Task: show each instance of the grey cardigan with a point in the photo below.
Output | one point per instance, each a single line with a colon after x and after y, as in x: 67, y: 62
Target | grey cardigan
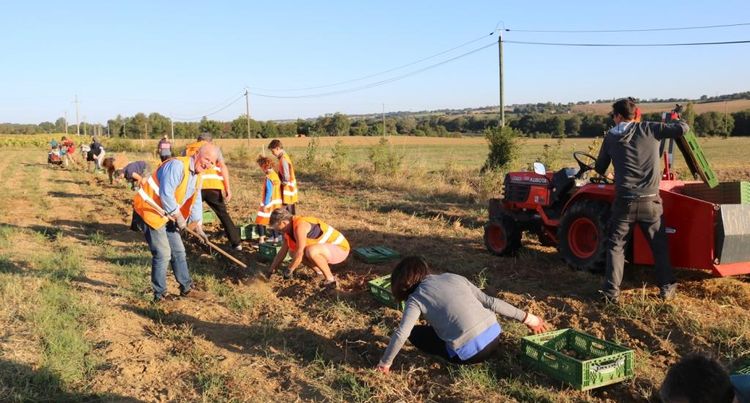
x: 454, y: 307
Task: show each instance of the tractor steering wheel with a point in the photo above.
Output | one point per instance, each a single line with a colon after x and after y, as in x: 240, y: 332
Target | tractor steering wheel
x: 584, y: 167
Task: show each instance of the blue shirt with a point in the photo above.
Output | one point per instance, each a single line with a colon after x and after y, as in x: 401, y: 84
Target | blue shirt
x: 170, y: 176
x: 477, y: 344
x: 269, y: 192
x: 136, y: 167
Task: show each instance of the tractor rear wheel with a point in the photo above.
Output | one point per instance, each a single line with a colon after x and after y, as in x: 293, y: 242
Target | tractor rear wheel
x: 502, y: 237
x: 583, y: 235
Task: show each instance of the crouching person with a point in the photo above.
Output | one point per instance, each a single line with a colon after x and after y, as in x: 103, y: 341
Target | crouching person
x: 461, y: 323
x: 312, y: 242
x: 161, y: 209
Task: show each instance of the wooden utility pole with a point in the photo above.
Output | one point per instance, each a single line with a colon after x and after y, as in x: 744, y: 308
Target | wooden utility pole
x: 500, y: 60
x: 247, y: 115
x: 66, y: 123
x: 78, y: 121
x: 383, y: 119
x: 171, y: 122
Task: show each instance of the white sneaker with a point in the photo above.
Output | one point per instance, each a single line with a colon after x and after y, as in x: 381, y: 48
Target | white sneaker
x: 238, y: 248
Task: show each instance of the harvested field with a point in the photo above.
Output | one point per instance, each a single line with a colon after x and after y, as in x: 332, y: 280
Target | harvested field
x: 732, y: 106
x: 66, y: 253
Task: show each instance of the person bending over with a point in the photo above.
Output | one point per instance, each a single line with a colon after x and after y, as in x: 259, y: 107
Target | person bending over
x: 461, y: 323
x: 697, y: 378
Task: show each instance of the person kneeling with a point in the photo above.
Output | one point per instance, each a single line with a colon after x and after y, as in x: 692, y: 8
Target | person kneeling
x: 462, y: 327
x: 312, y: 242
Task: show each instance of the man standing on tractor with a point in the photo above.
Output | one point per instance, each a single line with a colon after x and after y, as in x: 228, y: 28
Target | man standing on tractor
x: 215, y: 189
x: 633, y: 149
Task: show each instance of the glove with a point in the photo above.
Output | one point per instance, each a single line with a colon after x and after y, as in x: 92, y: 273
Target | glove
x: 179, y: 221
x: 201, y: 234
x: 535, y: 323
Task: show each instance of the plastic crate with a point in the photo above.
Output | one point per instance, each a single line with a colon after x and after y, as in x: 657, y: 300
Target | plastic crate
x: 724, y: 193
x: 375, y: 254
x: 380, y: 288
x: 248, y: 232
x: 267, y: 252
x: 209, y: 217
x: 598, y: 362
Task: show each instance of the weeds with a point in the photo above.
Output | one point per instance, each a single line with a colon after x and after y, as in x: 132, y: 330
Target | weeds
x: 312, y: 153
x: 64, y: 264
x: 385, y: 159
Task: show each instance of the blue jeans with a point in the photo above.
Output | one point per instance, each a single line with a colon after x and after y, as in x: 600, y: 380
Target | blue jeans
x: 166, y: 247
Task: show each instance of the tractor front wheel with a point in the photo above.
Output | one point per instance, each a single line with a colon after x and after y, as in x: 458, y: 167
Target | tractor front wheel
x: 583, y: 235
x: 502, y: 237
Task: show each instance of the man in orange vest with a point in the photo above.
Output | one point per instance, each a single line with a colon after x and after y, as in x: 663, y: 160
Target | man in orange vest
x: 161, y: 209
x: 215, y: 190
x: 286, y: 174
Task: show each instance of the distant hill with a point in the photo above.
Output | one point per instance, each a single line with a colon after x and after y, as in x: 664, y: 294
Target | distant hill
x: 719, y: 106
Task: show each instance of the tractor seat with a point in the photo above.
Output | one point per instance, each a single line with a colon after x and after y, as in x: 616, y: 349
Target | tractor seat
x: 562, y: 182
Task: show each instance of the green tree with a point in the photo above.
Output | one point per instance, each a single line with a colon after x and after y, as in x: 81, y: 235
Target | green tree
x: 159, y: 125
x: 212, y: 127
x: 358, y: 128
x: 573, y: 125
x: 269, y: 130
x: 406, y: 125
x: 557, y: 126
x: 136, y: 126
x: 689, y: 114
x: 339, y: 125
x: 60, y: 125
x: 503, y: 148
x: 714, y: 124
x: 741, y: 123
x: 238, y: 127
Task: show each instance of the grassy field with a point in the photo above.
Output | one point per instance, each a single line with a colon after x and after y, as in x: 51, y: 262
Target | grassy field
x: 76, y: 322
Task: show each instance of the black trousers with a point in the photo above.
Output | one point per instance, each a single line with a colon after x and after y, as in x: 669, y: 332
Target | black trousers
x: 425, y: 339
x: 215, y: 199
x: 648, y: 214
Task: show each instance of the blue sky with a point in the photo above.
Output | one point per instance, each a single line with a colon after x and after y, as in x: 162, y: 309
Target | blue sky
x: 185, y: 59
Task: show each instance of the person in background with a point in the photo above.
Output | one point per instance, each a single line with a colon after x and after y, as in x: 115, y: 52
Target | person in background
x: 461, y: 323
x: 312, y: 242
x: 54, y: 155
x: 633, y: 149
x: 697, y: 378
x: 134, y: 172
x: 96, y: 154
x: 216, y: 190
x: 164, y: 148
x: 289, y: 196
x: 270, y: 198
x: 70, y: 149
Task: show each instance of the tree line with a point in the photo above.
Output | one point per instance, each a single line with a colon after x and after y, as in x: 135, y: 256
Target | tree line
x: 541, y: 125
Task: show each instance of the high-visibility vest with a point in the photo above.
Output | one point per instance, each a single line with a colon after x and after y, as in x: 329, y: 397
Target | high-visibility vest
x: 265, y: 210
x: 150, y: 191
x: 288, y: 188
x: 325, y: 234
x: 212, y: 178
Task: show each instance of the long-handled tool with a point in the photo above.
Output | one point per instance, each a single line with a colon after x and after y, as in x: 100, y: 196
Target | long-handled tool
x: 195, y: 234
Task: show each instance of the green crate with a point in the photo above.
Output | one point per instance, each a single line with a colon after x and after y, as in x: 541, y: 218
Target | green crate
x: 696, y: 159
x: 743, y: 371
x: 249, y: 232
x: 724, y: 193
x: 598, y: 362
x: 381, y: 290
x: 375, y: 254
x: 267, y: 252
x: 209, y: 217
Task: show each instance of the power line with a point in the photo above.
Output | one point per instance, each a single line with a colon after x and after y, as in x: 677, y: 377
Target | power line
x: 577, y: 31
x: 627, y: 44
x: 377, y: 83
x: 213, y: 111
x: 378, y: 73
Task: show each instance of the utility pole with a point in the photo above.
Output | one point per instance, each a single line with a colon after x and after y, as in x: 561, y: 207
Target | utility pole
x: 725, y: 119
x: 247, y: 112
x: 84, y: 126
x: 500, y: 60
x: 66, y: 123
x: 383, y: 119
x: 78, y: 121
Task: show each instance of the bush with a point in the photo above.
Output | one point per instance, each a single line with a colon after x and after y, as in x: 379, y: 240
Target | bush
x: 339, y: 160
x: 503, y: 148
x: 385, y: 159
x: 311, y: 152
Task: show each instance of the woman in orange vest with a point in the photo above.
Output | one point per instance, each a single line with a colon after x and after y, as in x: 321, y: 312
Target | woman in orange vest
x: 312, y: 242
x: 286, y: 174
x: 271, y: 197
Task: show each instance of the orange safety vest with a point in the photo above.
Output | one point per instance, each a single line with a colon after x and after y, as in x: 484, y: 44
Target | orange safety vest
x: 289, y: 188
x: 212, y: 178
x: 265, y: 210
x: 327, y: 234
x: 150, y: 191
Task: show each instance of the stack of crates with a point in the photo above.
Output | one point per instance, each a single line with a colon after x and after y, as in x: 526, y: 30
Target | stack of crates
x: 723, y: 193
x: 209, y: 217
x: 582, y: 360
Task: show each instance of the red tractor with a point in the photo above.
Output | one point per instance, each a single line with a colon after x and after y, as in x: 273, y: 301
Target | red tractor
x: 708, y: 223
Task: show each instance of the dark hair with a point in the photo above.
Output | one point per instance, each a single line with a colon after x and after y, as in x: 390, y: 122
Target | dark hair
x: 624, y: 107
x: 275, y: 143
x: 109, y: 163
x: 278, y: 216
x: 264, y: 162
x: 407, y: 275
x: 697, y: 378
